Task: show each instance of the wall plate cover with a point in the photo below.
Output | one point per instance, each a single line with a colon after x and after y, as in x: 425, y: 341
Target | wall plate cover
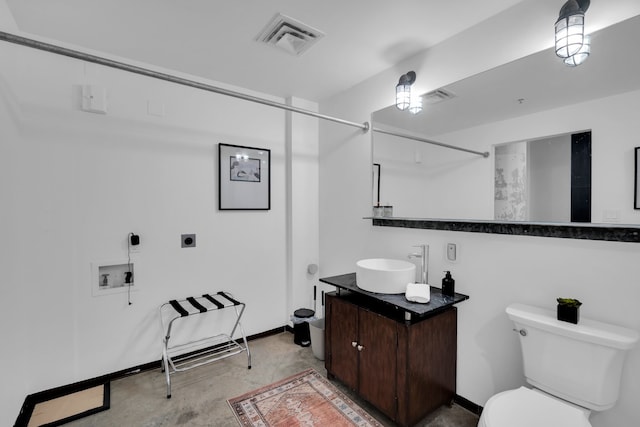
x: 94, y: 99
x: 133, y: 243
x: 452, y: 252
x: 188, y: 240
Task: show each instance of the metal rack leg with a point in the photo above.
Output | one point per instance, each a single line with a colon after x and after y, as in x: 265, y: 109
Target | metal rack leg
x: 165, y: 367
x: 244, y: 336
x: 246, y: 347
x: 166, y: 372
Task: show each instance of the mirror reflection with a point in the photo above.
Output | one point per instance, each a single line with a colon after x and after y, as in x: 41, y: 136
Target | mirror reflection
x: 533, y: 100
x: 544, y: 180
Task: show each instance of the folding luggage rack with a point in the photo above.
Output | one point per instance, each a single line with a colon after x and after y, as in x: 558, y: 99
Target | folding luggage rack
x: 185, y: 356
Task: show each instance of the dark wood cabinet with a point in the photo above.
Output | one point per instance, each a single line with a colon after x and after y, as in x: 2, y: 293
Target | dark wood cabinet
x: 406, y: 369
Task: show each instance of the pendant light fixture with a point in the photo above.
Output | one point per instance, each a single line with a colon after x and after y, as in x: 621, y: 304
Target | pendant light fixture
x: 405, y: 98
x: 415, y: 105
x: 403, y: 90
x: 569, y: 29
x: 580, y: 56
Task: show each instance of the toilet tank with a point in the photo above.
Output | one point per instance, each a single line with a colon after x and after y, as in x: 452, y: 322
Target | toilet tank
x: 579, y: 363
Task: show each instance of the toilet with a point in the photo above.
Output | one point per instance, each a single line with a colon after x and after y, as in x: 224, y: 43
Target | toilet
x: 572, y: 370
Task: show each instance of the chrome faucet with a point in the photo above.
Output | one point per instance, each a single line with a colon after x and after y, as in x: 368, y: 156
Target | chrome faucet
x: 424, y: 261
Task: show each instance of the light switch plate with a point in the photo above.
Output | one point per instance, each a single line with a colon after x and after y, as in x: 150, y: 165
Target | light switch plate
x: 94, y: 99
x: 452, y: 252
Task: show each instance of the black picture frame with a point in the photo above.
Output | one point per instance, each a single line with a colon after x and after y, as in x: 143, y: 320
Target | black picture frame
x: 636, y: 182
x: 244, y: 177
x: 377, y: 175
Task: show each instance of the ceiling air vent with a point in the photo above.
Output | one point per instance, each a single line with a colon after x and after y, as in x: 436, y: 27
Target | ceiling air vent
x: 289, y: 35
x: 437, y: 95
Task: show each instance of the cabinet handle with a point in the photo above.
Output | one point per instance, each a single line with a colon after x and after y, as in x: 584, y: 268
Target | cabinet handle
x: 360, y: 347
x: 354, y: 343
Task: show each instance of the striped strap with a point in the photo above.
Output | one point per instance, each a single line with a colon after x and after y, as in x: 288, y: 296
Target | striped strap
x: 177, y: 307
x: 196, y: 304
x: 229, y: 298
x: 213, y: 300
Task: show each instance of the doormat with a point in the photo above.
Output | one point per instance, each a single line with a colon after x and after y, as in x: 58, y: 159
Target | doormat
x: 63, y: 409
x: 304, y: 399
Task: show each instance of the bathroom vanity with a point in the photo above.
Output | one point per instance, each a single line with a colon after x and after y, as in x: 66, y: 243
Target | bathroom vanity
x: 398, y: 355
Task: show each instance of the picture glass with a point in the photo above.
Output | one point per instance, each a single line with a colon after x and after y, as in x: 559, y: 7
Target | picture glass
x: 244, y: 178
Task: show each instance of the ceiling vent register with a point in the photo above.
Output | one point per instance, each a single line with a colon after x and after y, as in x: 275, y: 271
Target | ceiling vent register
x: 438, y: 95
x: 289, y: 35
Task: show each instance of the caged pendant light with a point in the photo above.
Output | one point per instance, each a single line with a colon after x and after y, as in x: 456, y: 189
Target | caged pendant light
x: 569, y: 31
x: 415, y: 105
x: 580, y: 56
x: 403, y: 90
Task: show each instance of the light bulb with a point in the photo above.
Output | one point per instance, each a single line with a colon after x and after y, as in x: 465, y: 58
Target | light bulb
x: 403, y: 96
x: 415, y: 105
x: 569, y: 35
x: 580, y: 56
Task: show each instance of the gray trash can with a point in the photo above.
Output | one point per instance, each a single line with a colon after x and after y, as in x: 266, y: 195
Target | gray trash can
x: 300, y: 319
x: 316, y: 329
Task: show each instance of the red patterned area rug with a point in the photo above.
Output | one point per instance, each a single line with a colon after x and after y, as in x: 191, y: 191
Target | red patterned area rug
x: 304, y: 399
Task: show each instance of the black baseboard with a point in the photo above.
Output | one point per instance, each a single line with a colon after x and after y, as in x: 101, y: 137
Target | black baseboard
x: 468, y: 405
x: 33, y: 399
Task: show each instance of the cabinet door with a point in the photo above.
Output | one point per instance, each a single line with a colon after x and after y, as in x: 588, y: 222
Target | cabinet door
x: 378, y: 362
x: 431, y: 369
x: 343, y: 356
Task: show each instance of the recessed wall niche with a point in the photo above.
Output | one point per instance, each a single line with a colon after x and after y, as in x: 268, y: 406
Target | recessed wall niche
x: 112, y: 277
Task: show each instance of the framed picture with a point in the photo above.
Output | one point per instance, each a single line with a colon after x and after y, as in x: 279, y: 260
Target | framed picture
x: 636, y: 182
x: 244, y: 178
x: 377, y: 171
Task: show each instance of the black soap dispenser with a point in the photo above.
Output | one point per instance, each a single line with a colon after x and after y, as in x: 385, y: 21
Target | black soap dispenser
x: 448, y: 285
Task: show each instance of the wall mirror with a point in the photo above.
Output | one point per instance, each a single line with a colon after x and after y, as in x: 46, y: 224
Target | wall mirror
x: 535, y: 99
x: 543, y: 180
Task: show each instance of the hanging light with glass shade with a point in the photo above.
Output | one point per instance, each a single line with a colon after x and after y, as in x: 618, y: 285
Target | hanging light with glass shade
x: 580, y: 56
x: 403, y: 90
x: 570, y: 37
x: 415, y: 105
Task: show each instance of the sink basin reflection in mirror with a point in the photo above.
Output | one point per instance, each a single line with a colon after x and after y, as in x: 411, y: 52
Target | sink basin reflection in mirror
x: 384, y: 276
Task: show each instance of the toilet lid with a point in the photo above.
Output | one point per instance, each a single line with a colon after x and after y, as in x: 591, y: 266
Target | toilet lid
x: 524, y: 407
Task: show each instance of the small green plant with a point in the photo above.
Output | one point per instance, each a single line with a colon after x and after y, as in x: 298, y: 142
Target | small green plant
x: 569, y: 302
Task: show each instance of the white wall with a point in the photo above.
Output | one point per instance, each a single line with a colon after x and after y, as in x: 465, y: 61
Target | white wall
x: 302, y: 206
x: 550, y: 179
x: 494, y: 270
x: 74, y: 184
x: 7, y: 22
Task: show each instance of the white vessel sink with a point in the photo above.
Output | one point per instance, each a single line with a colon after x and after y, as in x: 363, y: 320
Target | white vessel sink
x: 384, y: 276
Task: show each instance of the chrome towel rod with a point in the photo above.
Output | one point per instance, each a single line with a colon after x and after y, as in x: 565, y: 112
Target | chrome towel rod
x: 428, y: 141
x: 12, y: 38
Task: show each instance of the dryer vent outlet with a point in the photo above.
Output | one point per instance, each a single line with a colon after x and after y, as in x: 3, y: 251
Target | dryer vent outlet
x: 188, y: 240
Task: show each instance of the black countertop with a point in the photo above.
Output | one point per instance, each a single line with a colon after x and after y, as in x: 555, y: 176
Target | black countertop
x: 437, y: 303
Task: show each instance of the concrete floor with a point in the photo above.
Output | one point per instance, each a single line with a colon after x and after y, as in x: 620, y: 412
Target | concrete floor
x: 199, y: 397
